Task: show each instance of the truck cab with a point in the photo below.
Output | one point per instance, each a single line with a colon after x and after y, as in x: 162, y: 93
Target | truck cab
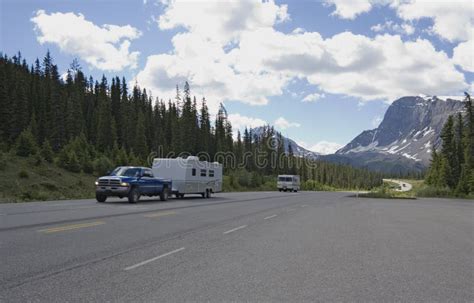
x: 288, y: 183
x: 131, y: 182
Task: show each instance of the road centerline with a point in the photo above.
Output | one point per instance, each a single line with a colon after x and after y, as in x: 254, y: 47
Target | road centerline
x: 153, y: 259
x: 234, y: 229
x: 70, y: 227
x: 269, y: 217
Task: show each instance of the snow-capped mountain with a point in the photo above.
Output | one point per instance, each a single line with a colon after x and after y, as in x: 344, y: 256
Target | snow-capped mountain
x: 405, y: 138
x: 298, y: 150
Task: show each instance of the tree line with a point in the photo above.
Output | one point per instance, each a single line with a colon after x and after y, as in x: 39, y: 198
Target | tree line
x: 452, y: 166
x: 86, y: 125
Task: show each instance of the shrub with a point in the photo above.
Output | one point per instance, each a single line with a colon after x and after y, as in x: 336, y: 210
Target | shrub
x: 73, y: 164
x: 22, y: 174
x: 26, y: 144
x: 47, y: 152
x: 3, y: 161
x: 431, y: 191
x: 49, y: 186
x: 102, y: 165
x: 38, y: 160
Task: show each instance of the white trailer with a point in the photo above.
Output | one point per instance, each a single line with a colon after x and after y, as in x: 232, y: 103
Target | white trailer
x: 190, y: 175
x: 288, y: 183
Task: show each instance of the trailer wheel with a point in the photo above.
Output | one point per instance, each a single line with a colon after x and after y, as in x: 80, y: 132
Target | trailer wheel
x: 134, y: 195
x: 100, y: 198
x: 164, y: 194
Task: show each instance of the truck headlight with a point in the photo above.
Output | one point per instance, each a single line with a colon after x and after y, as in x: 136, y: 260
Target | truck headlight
x: 96, y: 183
x: 124, y: 184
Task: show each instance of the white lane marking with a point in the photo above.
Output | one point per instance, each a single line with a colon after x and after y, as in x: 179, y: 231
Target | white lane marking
x: 269, y: 217
x: 291, y: 209
x: 235, y: 229
x: 304, y: 205
x: 154, y: 259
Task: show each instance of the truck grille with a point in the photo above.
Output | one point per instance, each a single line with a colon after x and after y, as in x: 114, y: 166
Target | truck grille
x: 109, y: 182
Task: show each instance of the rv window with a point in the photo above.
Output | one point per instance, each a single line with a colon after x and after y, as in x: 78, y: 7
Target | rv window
x: 211, y: 173
x: 203, y: 172
x: 194, y: 172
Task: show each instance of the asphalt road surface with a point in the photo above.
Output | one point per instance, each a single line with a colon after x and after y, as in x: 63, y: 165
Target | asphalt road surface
x: 265, y: 246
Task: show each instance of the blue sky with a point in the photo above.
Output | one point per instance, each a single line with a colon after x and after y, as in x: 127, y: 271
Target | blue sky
x: 320, y: 71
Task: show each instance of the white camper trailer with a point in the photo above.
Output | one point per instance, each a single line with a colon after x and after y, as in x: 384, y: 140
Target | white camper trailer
x: 190, y: 175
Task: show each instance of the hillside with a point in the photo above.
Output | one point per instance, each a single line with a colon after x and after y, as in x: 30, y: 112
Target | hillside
x: 24, y: 179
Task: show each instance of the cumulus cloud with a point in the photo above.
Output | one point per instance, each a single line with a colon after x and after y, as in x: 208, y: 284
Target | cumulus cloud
x: 223, y: 21
x: 240, y: 122
x: 463, y: 55
x: 313, y: 97
x: 242, y: 57
x: 322, y: 147
x: 350, y: 9
x: 283, y: 124
x: 103, y: 47
x: 452, y: 20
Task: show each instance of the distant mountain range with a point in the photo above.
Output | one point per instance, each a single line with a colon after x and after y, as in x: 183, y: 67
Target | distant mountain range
x: 404, y: 140
x: 298, y: 150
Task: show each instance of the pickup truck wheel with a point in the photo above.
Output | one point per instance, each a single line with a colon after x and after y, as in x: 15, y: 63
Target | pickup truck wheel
x: 134, y: 195
x: 164, y: 194
x: 100, y: 198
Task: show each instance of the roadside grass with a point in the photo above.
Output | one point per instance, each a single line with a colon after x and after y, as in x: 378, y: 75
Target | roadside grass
x: 419, y: 189
x: 387, y: 191
x: 26, y: 179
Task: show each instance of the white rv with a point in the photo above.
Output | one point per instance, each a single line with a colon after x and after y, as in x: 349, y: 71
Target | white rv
x: 190, y: 175
x: 288, y: 183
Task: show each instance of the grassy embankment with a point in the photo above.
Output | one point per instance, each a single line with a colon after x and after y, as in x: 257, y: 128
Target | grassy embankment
x: 419, y: 189
x: 24, y: 179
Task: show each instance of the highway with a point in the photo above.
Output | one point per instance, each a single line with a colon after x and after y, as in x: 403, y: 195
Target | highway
x: 242, y: 247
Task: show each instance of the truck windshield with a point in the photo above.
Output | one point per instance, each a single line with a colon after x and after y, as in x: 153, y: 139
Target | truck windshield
x: 126, y: 172
x: 285, y: 179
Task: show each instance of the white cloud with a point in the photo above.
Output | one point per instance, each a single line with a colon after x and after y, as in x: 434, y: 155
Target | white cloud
x: 103, y: 47
x: 240, y: 122
x: 249, y: 61
x: 349, y: 9
x: 322, y: 147
x: 313, y: 97
x: 463, y: 55
x: 390, y: 26
x: 223, y: 21
x: 452, y: 20
x: 283, y: 124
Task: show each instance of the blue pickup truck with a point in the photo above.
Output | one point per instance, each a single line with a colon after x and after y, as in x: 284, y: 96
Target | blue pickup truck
x: 131, y: 182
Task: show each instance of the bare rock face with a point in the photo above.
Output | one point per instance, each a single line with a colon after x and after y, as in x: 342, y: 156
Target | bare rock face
x: 405, y: 138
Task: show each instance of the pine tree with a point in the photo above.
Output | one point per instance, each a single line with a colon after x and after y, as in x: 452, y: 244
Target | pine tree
x: 26, y: 144
x: 47, y: 151
x: 448, y: 153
